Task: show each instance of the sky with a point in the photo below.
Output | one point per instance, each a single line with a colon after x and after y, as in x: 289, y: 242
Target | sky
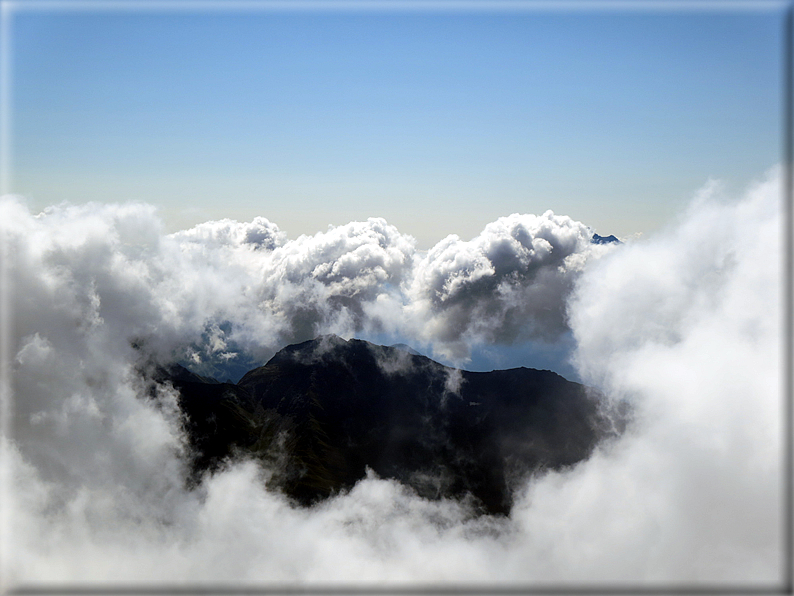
x: 207, y: 186
x: 439, y: 121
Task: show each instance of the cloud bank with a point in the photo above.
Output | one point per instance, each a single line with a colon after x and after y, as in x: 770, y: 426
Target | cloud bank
x: 685, y: 325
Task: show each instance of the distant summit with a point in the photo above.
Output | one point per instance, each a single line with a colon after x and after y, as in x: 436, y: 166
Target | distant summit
x: 323, y: 412
x: 596, y: 239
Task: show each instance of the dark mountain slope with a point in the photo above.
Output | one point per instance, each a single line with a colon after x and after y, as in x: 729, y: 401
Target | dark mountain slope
x: 327, y: 409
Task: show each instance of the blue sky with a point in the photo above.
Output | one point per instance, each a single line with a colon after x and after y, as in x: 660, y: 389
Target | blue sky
x: 438, y: 121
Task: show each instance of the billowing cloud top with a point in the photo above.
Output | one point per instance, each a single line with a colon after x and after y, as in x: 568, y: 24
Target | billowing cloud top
x: 258, y: 234
x: 508, y: 282
x: 226, y: 283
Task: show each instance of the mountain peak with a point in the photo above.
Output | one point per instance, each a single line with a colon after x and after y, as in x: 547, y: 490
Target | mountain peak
x: 332, y: 349
x: 322, y: 412
x: 596, y: 239
x: 406, y: 348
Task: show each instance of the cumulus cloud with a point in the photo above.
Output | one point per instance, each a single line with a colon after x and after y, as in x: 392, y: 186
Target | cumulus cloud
x: 225, y: 288
x: 687, y: 325
x: 213, y: 235
x: 684, y: 325
x: 509, y: 281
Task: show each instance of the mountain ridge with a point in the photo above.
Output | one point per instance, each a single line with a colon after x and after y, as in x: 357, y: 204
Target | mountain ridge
x: 322, y: 412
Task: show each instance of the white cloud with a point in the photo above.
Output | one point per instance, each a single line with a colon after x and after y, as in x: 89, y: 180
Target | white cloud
x: 684, y: 324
